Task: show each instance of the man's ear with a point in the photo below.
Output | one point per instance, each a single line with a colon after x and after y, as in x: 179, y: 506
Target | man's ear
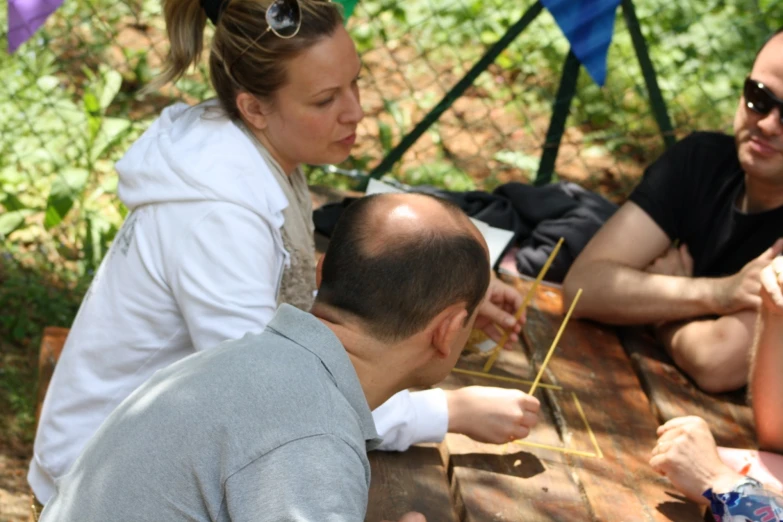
x: 449, y: 324
x: 319, y: 271
x: 253, y: 110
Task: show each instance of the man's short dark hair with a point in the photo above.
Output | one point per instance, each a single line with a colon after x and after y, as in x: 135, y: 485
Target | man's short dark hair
x: 396, y: 290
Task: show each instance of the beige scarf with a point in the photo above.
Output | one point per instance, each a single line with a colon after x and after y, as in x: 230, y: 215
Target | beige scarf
x: 298, y: 284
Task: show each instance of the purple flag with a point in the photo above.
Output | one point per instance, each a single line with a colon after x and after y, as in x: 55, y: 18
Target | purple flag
x: 25, y: 17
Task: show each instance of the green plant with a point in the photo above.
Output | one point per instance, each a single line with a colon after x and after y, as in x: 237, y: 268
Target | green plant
x: 62, y: 150
x: 439, y: 174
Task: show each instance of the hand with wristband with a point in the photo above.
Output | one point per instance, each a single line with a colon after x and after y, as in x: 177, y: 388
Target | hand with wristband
x: 687, y: 455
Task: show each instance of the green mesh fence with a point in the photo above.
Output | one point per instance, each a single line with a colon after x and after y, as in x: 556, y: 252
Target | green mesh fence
x: 70, y: 102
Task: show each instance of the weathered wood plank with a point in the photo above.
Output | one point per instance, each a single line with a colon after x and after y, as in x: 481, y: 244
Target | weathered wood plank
x: 591, y: 362
x: 674, y: 395
x: 414, y: 480
x: 511, y: 482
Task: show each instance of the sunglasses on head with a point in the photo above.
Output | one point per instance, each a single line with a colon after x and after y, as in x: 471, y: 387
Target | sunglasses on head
x: 760, y: 99
x: 284, y: 18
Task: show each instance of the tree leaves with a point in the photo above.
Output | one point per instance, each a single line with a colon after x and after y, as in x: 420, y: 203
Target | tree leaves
x: 66, y: 189
x: 11, y: 221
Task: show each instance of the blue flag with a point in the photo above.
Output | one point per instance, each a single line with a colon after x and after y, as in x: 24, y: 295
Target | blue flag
x: 588, y: 25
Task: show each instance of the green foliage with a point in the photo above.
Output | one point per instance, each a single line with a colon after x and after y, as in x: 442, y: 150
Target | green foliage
x: 17, y: 397
x: 440, y: 174
x: 48, y: 293
x: 57, y: 154
x: 701, y: 51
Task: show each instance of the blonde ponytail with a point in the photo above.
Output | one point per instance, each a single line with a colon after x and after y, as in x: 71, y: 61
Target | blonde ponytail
x: 185, y: 23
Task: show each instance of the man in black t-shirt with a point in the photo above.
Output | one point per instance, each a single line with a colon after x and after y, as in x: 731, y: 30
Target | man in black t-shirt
x: 685, y: 252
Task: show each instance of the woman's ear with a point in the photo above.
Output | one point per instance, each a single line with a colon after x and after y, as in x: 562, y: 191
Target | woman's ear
x: 252, y: 110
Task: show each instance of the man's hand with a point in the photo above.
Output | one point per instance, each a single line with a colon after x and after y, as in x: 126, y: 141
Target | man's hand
x: 493, y: 415
x: 771, y: 293
x: 411, y: 516
x: 741, y: 291
x: 499, y: 306
x: 687, y: 455
x: 675, y: 262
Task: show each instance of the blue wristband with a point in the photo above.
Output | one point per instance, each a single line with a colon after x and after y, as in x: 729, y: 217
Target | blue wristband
x: 747, y: 500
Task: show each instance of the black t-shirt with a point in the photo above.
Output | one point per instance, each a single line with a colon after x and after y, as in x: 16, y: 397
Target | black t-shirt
x: 691, y: 193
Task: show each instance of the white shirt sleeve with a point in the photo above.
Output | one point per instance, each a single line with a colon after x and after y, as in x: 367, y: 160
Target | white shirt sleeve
x: 227, y: 276
x: 410, y: 418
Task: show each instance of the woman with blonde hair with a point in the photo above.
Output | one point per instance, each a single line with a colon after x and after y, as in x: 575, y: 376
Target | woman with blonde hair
x: 220, y: 231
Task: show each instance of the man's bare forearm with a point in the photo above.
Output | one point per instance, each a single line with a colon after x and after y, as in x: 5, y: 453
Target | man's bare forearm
x: 616, y: 294
x: 766, y: 384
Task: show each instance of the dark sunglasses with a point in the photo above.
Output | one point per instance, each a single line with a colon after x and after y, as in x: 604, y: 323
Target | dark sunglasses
x: 760, y: 99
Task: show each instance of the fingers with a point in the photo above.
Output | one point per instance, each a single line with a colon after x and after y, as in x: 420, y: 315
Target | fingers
x: 504, y: 295
x: 770, y: 282
x: 691, y: 431
x: 686, y: 260
x: 496, y: 333
x: 658, y: 463
x: 413, y: 516
x: 510, y: 296
x: 530, y: 407
x: 662, y: 447
x: 775, y: 250
x: 493, y: 415
x: 777, y: 266
x: 673, y: 262
x: 494, y: 313
x: 522, y: 430
x: 529, y: 421
x: 671, y: 435
x: 656, y: 267
x: 754, y: 300
x: 679, y: 422
x: 530, y: 403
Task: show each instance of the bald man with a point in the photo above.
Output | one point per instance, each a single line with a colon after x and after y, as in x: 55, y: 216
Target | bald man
x: 276, y: 426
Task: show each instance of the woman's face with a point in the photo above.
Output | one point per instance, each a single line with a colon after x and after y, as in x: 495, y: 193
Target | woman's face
x: 313, y: 118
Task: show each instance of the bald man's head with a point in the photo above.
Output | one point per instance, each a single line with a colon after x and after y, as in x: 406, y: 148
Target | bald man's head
x: 395, y: 261
x: 393, y: 219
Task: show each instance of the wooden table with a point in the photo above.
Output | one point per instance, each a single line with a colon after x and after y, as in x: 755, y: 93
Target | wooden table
x: 480, y: 482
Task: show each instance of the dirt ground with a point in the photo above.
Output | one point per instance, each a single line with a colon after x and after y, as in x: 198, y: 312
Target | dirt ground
x: 17, y: 376
x: 14, y: 492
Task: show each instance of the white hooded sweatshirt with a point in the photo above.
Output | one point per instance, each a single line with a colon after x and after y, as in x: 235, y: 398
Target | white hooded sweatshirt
x: 198, y: 261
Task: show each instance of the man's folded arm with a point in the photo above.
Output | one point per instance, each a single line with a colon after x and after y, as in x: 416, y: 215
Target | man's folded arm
x: 616, y: 288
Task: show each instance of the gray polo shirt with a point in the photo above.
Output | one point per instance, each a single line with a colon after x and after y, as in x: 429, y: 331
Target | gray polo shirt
x: 273, y: 426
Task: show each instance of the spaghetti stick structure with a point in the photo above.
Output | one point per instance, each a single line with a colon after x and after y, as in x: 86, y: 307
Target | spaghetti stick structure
x: 528, y: 298
x: 554, y: 343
